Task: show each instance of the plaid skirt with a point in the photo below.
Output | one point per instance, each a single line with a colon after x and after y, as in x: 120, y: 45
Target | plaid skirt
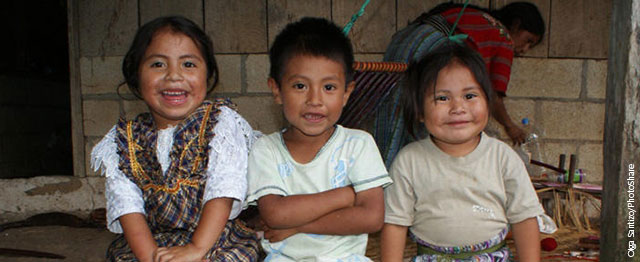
x: 236, y: 243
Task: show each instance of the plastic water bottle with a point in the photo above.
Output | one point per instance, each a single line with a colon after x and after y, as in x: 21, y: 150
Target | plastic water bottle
x: 530, y: 149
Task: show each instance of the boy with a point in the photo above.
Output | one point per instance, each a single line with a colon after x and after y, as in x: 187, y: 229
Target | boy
x: 318, y: 185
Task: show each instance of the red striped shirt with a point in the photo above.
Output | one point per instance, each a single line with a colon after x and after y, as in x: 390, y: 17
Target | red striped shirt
x: 490, y: 38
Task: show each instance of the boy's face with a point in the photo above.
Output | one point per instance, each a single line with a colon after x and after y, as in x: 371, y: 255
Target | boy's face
x: 457, y: 112
x: 312, y: 92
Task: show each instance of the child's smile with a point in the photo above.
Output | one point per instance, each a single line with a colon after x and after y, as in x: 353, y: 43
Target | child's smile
x: 457, y: 112
x: 173, y: 77
x: 312, y: 92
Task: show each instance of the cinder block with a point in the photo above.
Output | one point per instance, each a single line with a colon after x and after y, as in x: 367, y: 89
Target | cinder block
x: 517, y: 109
x: 409, y: 10
x: 551, y: 152
x: 237, y: 26
x: 257, y: 73
x: 107, y: 27
x: 230, y: 80
x: 580, y: 28
x: 261, y: 112
x: 535, y: 77
x: 596, y: 78
x: 372, y: 32
x: 368, y: 57
x: 133, y: 108
x: 99, y: 116
x: 544, y: 6
x: 151, y: 9
x: 283, y: 12
x: 590, y: 160
x: 101, y: 75
x: 572, y: 120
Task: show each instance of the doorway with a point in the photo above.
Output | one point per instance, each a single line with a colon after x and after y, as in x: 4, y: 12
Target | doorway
x: 35, y: 116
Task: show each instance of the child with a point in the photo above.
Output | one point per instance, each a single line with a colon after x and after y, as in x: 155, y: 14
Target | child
x: 318, y: 185
x: 457, y: 190
x: 176, y: 177
x: 497, y: 35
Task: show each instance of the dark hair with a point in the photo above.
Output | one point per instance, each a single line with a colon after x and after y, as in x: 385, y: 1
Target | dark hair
x: 422, y: 76
x: 525, y: 14
x: 310, y: 36
x: 143, y: 38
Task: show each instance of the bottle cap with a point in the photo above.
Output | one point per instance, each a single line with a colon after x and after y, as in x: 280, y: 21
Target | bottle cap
x: 525, y: 121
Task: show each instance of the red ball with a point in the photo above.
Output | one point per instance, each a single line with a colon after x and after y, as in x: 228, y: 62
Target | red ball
x: 548, y: 244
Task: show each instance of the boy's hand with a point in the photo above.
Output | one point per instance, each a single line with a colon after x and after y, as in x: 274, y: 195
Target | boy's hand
x: 186, y: 253
x: 277, y: 235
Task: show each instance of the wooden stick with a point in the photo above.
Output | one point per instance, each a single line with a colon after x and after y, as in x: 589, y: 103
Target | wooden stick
x: 28, y: 253
x: 572, y: 168
x: 542, y: 164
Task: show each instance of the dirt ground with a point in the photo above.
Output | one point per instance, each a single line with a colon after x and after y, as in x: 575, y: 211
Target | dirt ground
x: 89, y: 244
x: 76, y: 244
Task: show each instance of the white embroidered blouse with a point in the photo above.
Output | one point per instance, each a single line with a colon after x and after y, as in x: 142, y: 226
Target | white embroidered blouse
x: 226, y: 169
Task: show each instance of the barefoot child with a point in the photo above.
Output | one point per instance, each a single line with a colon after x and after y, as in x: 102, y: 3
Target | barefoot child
x: 458, y: 190
x: 318, y: 185
x: 176, y: 177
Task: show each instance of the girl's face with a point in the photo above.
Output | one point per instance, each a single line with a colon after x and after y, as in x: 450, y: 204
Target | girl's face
x: 456, y: 111
x: 312, y: 91
x: 523, y: 40
x: 173, y: 77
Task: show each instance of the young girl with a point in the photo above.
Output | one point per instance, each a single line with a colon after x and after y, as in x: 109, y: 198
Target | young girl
x: 497, y: 35
x: 176, y: 177
x: 458, y: 190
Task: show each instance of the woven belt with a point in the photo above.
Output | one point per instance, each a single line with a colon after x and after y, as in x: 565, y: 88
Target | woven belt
x: 424, y: 250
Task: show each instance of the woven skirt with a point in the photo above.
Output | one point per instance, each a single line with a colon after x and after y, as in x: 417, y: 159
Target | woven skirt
x: 236, y: 243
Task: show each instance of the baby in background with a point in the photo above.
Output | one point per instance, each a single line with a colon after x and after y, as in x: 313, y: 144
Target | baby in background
x: 318, y: 185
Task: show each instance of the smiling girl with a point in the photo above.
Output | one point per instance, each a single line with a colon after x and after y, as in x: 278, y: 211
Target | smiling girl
x: 176, y: 176
x: 457, y: 191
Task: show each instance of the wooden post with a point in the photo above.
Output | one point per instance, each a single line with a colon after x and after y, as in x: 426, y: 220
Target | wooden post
x: 619, y: 234
x: 77, y: 129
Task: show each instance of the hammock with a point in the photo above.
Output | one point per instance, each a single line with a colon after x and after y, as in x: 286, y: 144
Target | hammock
x: 374, y: 82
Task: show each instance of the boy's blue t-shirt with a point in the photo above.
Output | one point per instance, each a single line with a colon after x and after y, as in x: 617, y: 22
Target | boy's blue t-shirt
x: 350, y: 157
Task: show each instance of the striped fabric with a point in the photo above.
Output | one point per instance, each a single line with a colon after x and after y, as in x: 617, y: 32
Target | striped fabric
x: 379, y: 66
x: 500, y: 255
x: 407, y: 45
x: 490, y: 38
x: 371, y: 88
x: 173, y: 200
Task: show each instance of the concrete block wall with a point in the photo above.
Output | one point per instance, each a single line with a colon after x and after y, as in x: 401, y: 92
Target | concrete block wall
x: 559, y: 84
